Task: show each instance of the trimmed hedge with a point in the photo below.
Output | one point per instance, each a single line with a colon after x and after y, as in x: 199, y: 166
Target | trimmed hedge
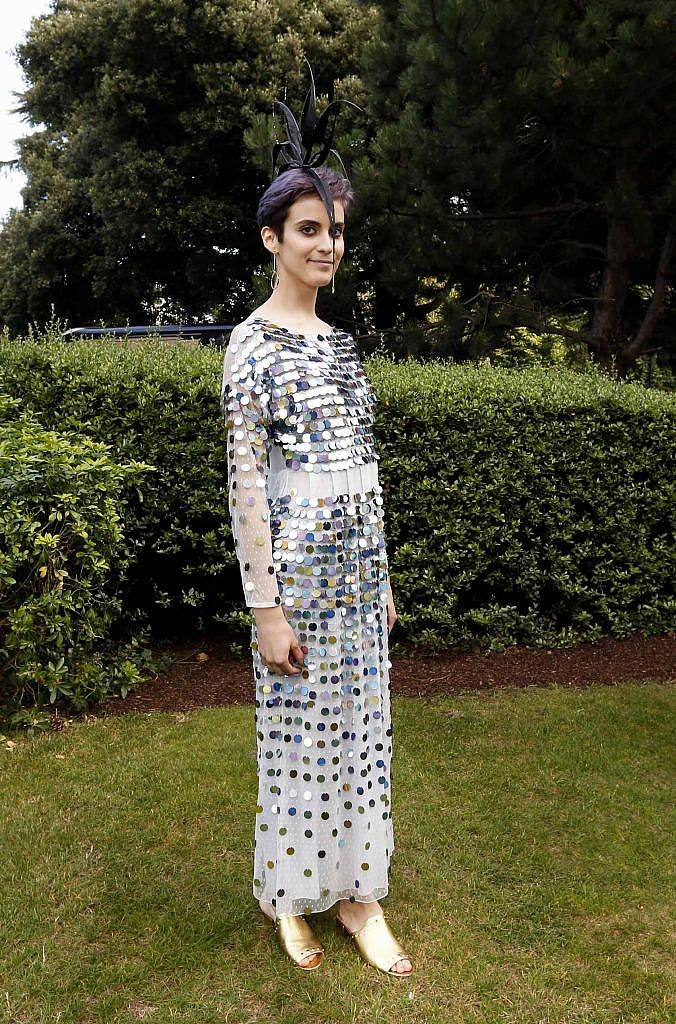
x: 527, y: 506
x: 522, y: 505
x: 157, y: 403
x: 60, y: 529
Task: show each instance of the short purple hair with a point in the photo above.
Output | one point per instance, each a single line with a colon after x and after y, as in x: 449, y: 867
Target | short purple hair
x: 290, y: 185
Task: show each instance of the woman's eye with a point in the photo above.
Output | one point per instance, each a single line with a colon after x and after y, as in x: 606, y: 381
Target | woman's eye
x: 309, y: 227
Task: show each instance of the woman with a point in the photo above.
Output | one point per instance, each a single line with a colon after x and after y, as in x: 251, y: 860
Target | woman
x: 306, y: 511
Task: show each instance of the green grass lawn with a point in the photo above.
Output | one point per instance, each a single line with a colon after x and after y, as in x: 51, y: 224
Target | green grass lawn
x: 531, y: 878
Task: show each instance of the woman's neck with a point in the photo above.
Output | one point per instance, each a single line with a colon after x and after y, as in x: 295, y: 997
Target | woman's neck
x: 293, y: 302
x: 291, y: 317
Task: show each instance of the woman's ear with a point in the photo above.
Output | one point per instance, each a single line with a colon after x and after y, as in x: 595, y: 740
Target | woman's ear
x: 269, y: 239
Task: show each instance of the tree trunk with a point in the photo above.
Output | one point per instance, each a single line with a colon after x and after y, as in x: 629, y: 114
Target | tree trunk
x: 640, y: 344
x: 614, y: 349
x: 386, y: 304
x: 608, y: 330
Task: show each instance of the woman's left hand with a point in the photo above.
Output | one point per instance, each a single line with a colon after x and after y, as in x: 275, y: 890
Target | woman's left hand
x: 391, y: 610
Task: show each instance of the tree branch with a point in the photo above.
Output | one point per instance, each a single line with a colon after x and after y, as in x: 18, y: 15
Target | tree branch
x: 647, y: 328
x: 546, y: 211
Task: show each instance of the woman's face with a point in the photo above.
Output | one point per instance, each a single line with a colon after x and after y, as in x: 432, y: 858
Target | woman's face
x: 307, y: 252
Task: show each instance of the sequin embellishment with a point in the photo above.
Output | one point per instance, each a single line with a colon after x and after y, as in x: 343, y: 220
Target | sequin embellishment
x: 306, y: 510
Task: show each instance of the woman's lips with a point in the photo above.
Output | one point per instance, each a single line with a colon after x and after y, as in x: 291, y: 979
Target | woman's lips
x: 323, y: 263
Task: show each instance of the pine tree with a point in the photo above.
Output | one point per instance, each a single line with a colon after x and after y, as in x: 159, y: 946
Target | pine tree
x: 523, y: 167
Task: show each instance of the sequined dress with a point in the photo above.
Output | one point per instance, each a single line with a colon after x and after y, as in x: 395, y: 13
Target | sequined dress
x: 307, y: 519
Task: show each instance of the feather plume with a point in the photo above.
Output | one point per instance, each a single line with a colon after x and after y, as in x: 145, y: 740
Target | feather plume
x: 296, y: 149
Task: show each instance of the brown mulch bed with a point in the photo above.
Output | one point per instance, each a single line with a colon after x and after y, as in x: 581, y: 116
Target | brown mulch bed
x: 204, y: 673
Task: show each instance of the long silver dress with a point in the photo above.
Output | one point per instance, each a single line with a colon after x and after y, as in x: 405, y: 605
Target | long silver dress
x: 306, y: 511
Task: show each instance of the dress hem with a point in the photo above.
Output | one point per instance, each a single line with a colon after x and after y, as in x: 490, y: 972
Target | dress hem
x: 377, y: 894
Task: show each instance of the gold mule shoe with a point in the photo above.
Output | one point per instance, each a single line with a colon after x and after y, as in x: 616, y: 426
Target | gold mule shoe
x: 378, y: 946
x: 297, y: 939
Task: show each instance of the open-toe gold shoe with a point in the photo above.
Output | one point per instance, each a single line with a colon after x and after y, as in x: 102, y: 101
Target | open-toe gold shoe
x: 297, y: 939
x: 378, y: 946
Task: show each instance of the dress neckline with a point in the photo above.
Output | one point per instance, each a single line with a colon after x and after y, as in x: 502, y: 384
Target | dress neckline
x: 314, y: 335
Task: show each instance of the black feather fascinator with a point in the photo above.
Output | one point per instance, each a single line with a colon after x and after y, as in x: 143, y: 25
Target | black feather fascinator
x: 296, y: 149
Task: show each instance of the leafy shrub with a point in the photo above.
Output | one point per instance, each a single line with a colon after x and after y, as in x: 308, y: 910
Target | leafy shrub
x: 531, y: 506
x: 60, y: 529
x: 522, y: 505
x: 157, y: 403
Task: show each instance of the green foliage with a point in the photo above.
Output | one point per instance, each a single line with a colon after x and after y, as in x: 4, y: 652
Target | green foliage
x: 157, y: 403
x: 60, y: 530
x: 522, y: 505
x: 526, y: 506
x: 519, y: 154
x: 523, y: 162
x: 141, y: 195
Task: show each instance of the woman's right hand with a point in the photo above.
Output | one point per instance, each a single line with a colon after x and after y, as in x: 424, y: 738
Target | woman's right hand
x: 277, y: 642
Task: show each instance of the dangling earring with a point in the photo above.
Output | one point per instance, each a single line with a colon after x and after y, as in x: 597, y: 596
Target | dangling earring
x: 333, y: 268
x: 274, y: 277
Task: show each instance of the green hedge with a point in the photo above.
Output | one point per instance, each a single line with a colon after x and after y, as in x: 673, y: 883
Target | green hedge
x: 531, y: 506
x: 522, y: 505
x: 157, y: 403
x: 60, y: 529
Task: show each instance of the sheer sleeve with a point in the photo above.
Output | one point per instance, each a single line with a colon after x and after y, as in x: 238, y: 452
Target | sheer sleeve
x: 244, y: 403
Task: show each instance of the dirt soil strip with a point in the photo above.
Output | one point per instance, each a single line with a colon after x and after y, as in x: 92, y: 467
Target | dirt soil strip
x: 204, y: 673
